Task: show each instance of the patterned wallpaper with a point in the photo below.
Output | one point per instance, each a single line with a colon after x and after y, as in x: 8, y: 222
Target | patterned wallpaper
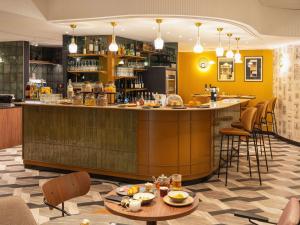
x: 286, y: 86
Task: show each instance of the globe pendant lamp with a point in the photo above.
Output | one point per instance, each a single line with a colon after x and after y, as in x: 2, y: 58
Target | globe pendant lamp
x: 198, y: 48
x: 113, y: 47
x: 73, y: 45
x: 229, y: 53
x: 237, y: 55
x: 220, y: 49
x: 159, y: 42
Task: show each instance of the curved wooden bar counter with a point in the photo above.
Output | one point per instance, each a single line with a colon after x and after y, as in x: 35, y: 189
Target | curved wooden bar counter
x: 126, y: 142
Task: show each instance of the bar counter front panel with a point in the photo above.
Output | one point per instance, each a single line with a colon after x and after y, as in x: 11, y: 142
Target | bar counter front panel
x: 125, y: 142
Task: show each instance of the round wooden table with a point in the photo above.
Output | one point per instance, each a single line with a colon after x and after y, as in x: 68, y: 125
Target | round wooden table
x: 157, y: 210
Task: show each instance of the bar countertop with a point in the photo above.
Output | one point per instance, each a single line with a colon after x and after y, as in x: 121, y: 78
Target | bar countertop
x: 222, y: 104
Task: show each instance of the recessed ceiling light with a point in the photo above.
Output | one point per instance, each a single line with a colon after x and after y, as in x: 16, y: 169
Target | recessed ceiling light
x: 67, y: 32
x: 180, y: 36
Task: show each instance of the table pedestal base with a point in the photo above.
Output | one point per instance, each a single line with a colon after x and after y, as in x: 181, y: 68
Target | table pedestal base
x: 151, y: 223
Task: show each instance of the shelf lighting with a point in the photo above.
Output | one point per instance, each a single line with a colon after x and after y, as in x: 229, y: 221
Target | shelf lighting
x: 73, y: 46
x: 113, y: 47
x: 229, y: 53
x: 158, y: 42
x: 198, y: 48
x: 220, y: 49
x: 237, y: 55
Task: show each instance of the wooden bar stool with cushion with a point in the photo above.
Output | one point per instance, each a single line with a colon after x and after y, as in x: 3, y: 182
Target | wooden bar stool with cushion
x: 14, y: 211
x: 64, y: 188
x: 271, y: 111
x: 247, y: 121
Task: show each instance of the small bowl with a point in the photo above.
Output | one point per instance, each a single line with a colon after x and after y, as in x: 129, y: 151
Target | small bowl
x: 145, y: 197
x: 178, y: 196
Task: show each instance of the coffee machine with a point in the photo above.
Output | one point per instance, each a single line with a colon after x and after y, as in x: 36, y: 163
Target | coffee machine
x: 213, y: 92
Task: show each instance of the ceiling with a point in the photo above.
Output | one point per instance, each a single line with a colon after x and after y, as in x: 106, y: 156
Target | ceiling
x: 27, y: 20
x: 282, y: 4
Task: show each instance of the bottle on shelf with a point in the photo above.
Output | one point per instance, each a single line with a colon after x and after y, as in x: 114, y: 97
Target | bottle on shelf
x: 91, y: 46
x: 96, y: 47
x: 84, y: 46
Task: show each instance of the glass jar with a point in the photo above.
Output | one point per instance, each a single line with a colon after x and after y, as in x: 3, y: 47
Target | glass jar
x: 174, y: 101
x: 77, y: 99
x: 90, y: 100
x: 98, y: 88
x: 102, y: 100
x: 87, y: 87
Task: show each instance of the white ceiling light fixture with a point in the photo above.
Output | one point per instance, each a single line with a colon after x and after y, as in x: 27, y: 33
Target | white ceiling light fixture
x: 158, y: 42
x: 229, y: 53
x: 220, y: 49
x: 113, y: 47
x: 237, y: 55
x: 73, y: 46
x: 1, y: 59
x: 198, y: 48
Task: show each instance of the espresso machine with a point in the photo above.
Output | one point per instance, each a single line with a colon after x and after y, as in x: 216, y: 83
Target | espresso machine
x: 213, y: 92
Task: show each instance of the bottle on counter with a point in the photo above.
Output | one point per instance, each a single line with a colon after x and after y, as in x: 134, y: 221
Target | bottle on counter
x: 27, y: 91
x: 70, y: 90
x: 96, y: 47
x: 91, y: 46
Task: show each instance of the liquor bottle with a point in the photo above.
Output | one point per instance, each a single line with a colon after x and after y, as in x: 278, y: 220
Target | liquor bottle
x: 91, y: 46
x: 84, y: 46
x: 132, y: 84
x: 70, y: 90
x: 96, y: 47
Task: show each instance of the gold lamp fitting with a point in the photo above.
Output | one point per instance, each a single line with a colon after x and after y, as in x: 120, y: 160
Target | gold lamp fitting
x: 158, y: 21
x: 237, y: 38
x: 113, y: 24
x: 198, y: 24
x: 73, y: 26
x: 220, y: 29
x: 229, y: 35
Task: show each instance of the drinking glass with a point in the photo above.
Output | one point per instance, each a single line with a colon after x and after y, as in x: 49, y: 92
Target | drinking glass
x: 176, y: 181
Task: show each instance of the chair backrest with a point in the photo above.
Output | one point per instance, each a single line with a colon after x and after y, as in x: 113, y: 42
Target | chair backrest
x: 261, y: 111
x: 291, y: 213
x: 66, y: 187
x: 248, y: 118
x: 272, y: 104
x: 14, y: 211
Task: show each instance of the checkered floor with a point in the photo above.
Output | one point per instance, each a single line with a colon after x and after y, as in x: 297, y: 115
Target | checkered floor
x: 217, y: 201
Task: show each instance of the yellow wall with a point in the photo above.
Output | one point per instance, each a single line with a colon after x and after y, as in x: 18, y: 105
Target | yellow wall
x: 191, y: 80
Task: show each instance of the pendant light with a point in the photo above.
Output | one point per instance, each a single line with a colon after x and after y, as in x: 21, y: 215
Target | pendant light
x: 158, y: 42
x: 220, y: 49
x: 1, y: 59
x: 229, y: 53
x: 73, y: 45
x: 198, y: 48
x: 113, y: 47
x: 237, y: 55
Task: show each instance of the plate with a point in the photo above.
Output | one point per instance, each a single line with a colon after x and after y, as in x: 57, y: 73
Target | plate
x: 146, y: 197
x: 186, y: 202
x: 123, y: 190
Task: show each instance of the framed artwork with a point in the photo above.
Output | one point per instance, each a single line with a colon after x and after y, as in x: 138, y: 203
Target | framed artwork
x: 225, y: 69
x: 254, y: 69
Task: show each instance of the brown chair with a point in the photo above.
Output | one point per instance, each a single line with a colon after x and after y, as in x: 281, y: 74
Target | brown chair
x: 271, y: 111
x: 247, y: 120
x: 14, y: 211
x: 290, y: 215
x: 64, y: 188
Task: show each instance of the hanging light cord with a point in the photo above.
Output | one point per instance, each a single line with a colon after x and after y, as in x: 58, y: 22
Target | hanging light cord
x: 229, y: 45
x: 219, y: 38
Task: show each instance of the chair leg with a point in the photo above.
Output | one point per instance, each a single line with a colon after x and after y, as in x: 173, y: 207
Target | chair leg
x: 264, y: 148
x: 248, y: 156
x: 268, y: 133
x: 257, y: 156
x: 231, y: 149
x: 63, y: 209
x: 227, y: 160
x: 238, y: 154
x: 275, y: 122
x: 260, y: 145
x: 220, y: 158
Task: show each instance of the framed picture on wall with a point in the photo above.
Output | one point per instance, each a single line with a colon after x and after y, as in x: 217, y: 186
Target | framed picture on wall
x: 225, y: 69
x: 254, y: 69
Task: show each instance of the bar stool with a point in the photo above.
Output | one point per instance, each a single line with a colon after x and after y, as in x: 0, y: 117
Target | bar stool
x: 247, y: 120
x: 264, y: 123
x: 271, y: 111
x: 261, y: 114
